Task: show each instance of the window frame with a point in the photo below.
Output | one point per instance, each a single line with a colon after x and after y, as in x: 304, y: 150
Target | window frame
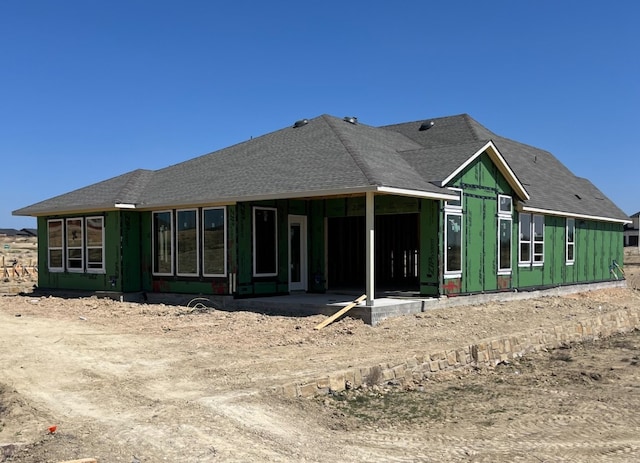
x: 275, y: 232
x: 501, y: 211
x: 203, y: 242
x: 153, y: 243
x: 456, y: 273
x: 505, y: 216
x: 570, y: 244
x: 536, y: 242
x: 69, y: 248
x: 196, y: 245
x: 89, y: 247
x: 56, y: 248
x: 455, y: 207
x: 537, y: 256
x: 521, y: 241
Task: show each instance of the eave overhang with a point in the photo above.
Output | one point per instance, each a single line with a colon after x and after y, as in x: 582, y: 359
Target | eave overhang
x: 227, y: 201
x: 316, y: 194
x: 537, y: 210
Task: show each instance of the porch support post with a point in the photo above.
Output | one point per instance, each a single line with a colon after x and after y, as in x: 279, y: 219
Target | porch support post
x: 370, y: 243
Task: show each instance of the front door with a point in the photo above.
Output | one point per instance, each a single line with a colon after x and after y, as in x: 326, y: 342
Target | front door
x: 297, y: 253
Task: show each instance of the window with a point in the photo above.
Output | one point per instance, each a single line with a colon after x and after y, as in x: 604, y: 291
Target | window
x: 200, y: 242
x: 187, y: 242
x: 453, y: 236
x: 453, y: 244
x: 55, y: 240
x: 571, y: 241
x: 505, y: 226
x: 456, y: 203
x: 538, y: 239
x: 75, y: 250
x: 214, y: 242
x: 531, y: 239
x: 76, y: 245
x: 95, y: 244
x: 265, y: 242
x: 162, y: 243
x: 505, y: 205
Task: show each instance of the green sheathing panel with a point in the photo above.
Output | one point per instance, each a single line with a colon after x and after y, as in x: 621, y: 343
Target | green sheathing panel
x: 554, y: 253
x: 384, y: 204
x: 481, y: 183
x: 243, y: 248
x: 248, y: 285
x: 429, y: 245
x: 43, y: 272
x: 130, y: 250
x: 110, y: 280
x: 316, y: 235
x: 146, y: 259
x: 282, y: 279
x: 597, y: 246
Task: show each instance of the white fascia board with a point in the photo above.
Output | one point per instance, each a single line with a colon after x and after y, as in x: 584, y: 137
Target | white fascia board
x: 535, y: 210
x: 68, y: 211
x: 416, y: 193
x: 503, y: 167
x: 307, y: 194
x: 124, y: 206
x: 229, y: 201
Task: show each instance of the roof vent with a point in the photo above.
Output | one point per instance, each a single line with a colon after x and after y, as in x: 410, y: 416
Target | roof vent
x: 300, y: 123
x: 351, y: 119
x: 426, y: 125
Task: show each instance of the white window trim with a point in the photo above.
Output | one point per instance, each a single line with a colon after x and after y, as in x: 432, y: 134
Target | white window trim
x: 521, y: 262
x: 535, y: 263
x: 224, y: 214
x: 453, y: 207
x: 256, y: 208
x: 68, y: 248
x: 458, y: 212
x: 568, y: 243
x: 177, y: 243
x: 505, y: 215
x: 531, y: 262
x: 153, y: 244
x: 55, y: 248
x: 87, y: 247
x: 510, y: 211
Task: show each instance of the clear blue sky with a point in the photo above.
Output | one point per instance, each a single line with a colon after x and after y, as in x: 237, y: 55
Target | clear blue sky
x: 92, y: 89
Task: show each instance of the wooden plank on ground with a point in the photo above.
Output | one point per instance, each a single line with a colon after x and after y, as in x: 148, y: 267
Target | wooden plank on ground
x: 340, y: 312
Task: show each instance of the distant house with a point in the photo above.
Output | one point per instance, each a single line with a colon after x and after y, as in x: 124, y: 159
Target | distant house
x: 632, y: 230
x: 24, y: 232
x: 436, y: 207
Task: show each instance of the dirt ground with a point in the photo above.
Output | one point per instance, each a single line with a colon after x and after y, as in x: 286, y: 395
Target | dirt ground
x: 126, y: 382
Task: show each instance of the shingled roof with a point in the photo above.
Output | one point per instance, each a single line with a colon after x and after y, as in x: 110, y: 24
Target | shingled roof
x: 332, y: 156
x: 552, y: 187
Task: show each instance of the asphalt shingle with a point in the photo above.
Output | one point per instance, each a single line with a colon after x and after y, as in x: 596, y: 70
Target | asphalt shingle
x: 332, y: 155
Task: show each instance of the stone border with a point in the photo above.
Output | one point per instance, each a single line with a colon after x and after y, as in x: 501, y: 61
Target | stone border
x: 487, y: 352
